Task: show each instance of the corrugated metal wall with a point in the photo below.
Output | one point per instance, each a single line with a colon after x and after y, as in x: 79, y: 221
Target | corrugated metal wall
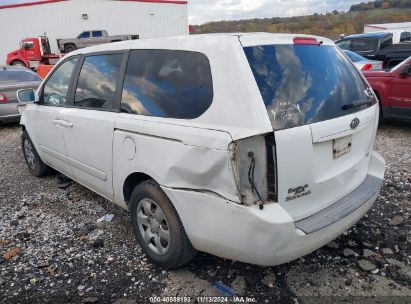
x: 64, y: 20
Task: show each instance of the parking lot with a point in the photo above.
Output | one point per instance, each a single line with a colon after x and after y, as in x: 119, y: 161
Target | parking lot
x: 53, y: 250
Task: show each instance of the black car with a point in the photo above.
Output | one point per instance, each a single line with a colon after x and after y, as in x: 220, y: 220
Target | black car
x: 13, y: 79
x: 377, y: 46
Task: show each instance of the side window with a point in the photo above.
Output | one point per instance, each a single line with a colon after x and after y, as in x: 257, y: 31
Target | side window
x: 96, y: 85
x: 84, y: 35
x: 167, y: 83
x: 97, y: 34
x: 406, y: 36
x: 28, y: 45
x: 57, y: 86
x: 344, y: 44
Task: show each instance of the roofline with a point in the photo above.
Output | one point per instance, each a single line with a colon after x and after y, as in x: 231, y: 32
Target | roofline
x: 55, y: 1
x: 29, y: 3
x: 377, y: 27
x: 370, y: 35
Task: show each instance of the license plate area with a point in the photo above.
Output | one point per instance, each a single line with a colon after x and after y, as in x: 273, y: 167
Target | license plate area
x: 342, y: 146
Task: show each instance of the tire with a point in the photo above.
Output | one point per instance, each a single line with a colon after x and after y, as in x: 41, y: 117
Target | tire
x: 70, y: 47
x: 381, y: 116
x: 33, y: 161
x: 150, y: 224
x: 18, y: 63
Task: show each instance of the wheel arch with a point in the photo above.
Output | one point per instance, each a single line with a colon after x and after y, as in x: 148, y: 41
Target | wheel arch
x: 26, y: 64
x: 131, y: 182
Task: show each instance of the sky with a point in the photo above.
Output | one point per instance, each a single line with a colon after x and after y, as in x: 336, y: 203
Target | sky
x: 201, y: 11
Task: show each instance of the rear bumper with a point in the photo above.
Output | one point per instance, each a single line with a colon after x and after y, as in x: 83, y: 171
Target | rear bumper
x: 342, y: 208
x: 270, y: 236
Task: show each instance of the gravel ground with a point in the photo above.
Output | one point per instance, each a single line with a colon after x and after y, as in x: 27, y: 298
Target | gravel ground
x: 52, y: 250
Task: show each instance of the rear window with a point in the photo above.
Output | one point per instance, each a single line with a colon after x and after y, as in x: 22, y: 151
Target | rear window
x: 167, y: 83
x: 363, y: 45
x: 17, y: 76
x: 305, y: 84
x: 354, y: 57
x: 97, y: 33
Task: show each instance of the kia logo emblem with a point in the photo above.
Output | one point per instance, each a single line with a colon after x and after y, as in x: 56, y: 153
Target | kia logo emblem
x: 354, y: 123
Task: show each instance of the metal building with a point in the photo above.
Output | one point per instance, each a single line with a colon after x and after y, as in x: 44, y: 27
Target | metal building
x: 395, y: 28
x: 68, y: 18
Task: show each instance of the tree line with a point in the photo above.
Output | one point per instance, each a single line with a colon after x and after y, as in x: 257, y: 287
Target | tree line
x: 332, y: 24
x: 383, y: 4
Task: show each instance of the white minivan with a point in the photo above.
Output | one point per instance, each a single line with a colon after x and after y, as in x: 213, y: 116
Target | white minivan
x: 252, y: 147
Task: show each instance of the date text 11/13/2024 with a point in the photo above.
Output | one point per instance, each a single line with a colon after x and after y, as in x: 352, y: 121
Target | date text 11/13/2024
x: 204, y: 299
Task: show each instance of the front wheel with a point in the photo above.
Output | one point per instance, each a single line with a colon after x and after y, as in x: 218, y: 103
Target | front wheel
x: 158, y: 228
x: 33, y: 161
x: 18, y: 63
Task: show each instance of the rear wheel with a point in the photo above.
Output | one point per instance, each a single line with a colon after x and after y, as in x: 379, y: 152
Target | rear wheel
x: 158, y: 228
x: 69, y: 48
x: 33, y: 161
x: 18, y: 63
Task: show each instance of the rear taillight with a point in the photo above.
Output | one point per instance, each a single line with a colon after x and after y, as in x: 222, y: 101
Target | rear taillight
x: 367, y: 67
x: 3, y: 98
x: 271, y: 167
x: 305, y: 41
x: 253, y: 165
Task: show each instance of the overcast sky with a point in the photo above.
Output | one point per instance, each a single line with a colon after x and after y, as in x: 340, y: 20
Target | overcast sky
x: 201, y: 11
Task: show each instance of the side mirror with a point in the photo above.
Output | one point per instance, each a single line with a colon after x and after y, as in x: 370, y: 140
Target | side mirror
x: 26, y: 96
x: 405, y: 71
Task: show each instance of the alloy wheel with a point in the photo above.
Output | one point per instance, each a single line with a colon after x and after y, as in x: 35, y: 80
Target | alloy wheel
x: 153, y: 226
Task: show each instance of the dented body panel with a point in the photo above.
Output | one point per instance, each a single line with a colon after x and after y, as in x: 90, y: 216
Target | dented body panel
x: 175, y: 156
x: 265, y: 237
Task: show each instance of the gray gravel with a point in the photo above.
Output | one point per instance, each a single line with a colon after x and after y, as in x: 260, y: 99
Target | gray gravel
x: 52, y: 250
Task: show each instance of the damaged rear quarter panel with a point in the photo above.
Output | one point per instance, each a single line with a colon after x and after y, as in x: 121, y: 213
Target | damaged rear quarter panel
x: 175, y: 156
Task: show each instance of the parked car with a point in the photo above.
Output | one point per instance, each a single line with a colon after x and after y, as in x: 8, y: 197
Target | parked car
x: 377, y: 46
x: 254, y: 147
x: 13, y: 79
x: 393, y: 89
x: 89, y: 38
x: 363, y: 64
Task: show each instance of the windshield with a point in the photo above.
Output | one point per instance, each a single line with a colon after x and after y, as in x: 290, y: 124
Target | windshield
x: 305, y: 84
x: 354, y: 57
x: 8, y: 76
x: 401, y: 64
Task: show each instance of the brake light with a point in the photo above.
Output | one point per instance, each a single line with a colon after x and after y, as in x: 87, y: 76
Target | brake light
x: 305, y: 41
x: 367, y: 67
x: 3, y: 98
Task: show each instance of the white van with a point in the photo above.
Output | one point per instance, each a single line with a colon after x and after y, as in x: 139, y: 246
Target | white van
x: 251, y: 147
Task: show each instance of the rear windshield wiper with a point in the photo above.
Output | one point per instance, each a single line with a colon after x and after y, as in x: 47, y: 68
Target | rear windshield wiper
x: 355, y: 104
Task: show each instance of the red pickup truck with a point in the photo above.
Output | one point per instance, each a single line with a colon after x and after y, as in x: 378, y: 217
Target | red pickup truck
x: 393, y: 89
